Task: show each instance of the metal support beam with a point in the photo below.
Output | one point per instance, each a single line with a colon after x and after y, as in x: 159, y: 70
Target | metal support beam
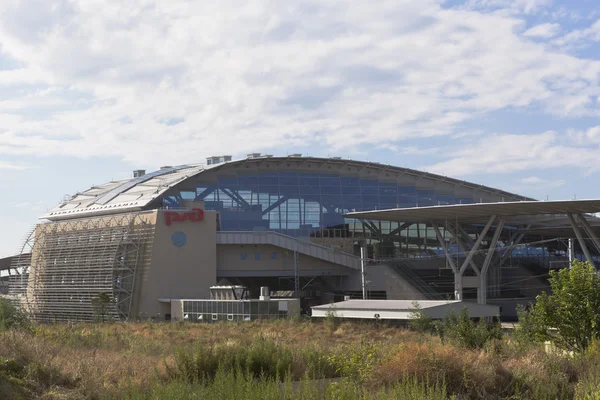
x: 580, y: 238
x: 236, y: 197
x: 477, y: 244
x: 296, y: 275
x: 516, y: 240
x: 363, y: 257
x: 399, y: 229
x: 570, y: 253
x: 440, y: 238
x: 373, y: 227
x: 205, y: 193
x: 492, y: 248
x: 482, y: 292
x: 273, y: 206
x: 465, y: 234
x: 588, y: 228
x: 465, y: 250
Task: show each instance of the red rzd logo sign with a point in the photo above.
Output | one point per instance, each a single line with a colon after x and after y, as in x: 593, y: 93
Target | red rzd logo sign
x: 196, y: 215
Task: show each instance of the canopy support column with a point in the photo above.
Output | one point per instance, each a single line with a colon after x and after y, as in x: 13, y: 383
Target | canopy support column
x: 457, y: 274
x: 580, y: 239
x: 440, y: 238
x: 464, y: 248
x: 588, y: 228
x: 477, y: 244
x: 482, y: 291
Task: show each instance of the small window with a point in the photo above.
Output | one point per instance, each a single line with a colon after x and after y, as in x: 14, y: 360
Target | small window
x: 208, y: 162
x: 243, y: 256
x: 215, y: 317
x: 229, y: 317
x: 274, y: 255
x: 257, y: 256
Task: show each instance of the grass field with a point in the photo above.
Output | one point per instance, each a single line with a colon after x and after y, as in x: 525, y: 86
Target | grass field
x: 279, y: 360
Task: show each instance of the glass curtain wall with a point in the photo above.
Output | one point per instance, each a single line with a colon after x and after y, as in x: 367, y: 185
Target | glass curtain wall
x: 312, y: 205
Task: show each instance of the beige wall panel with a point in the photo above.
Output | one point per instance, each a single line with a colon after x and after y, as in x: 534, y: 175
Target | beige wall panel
x: 178, y: 272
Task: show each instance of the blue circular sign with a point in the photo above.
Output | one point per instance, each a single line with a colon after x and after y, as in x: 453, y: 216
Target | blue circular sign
x: 179, y: 239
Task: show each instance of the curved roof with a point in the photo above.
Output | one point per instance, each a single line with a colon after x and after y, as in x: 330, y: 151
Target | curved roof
x: 143, y: 192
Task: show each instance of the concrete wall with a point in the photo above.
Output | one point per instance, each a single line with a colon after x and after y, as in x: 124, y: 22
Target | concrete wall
x: 344, y: 244
x: 229, y: 260
x: 178, y: 272
x: 381, y: 278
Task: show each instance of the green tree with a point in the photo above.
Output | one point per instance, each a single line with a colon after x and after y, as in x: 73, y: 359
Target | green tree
x: 101, y: 304
x: 573, y: 308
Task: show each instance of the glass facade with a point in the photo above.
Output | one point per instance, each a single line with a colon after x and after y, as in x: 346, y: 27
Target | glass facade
x: 302, y: 204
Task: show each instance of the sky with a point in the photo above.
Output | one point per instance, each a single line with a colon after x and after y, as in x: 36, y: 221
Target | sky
x: 504, y: 93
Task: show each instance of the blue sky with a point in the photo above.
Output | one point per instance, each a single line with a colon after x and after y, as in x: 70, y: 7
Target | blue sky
x: 500, y: 92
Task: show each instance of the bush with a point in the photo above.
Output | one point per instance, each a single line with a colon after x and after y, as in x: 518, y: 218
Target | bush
x: 12, y: 316
x: 332, y: 321
x: 356, y: 362
x: 419, y: 320
x: 465, y: 332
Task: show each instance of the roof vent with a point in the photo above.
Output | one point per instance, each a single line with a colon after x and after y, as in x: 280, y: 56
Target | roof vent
x: 217, y: 159
x: 253, y: 155
x: 268, y: 155
x: 295, y: 155
x: 336, y: 158
x: 166, y: 167
x: 139, y: 172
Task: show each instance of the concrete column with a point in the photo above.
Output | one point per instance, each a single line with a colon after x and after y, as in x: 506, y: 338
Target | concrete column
x: 482, y: 290
x: 458, y: 291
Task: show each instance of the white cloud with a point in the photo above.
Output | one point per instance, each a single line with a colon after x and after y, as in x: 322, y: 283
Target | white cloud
x: 589, y: 137
x: 10, y: 166
x: 579, y: 38
x: 537, y: 182
x: 510, y: 6
x: 543, y: 31
x: 106, y: 78
x: 533, y: 180
x: 31, y: 205
x: 510, y: 153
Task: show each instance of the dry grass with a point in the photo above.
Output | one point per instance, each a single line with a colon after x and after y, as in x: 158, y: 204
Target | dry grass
x: 94, y: 361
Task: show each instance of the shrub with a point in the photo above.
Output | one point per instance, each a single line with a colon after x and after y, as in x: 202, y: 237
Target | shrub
x: 12, y: 316
x: 459, y: 371
x: 332, y: 321
x: 419, y: 320
x: 465, y: 332
x: 356, y: 362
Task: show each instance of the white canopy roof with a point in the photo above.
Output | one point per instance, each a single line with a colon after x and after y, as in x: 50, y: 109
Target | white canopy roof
x: 521, y: 212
